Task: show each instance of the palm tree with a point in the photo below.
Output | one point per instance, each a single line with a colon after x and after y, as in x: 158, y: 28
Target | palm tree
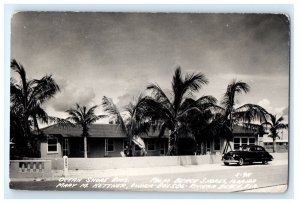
x: 173, y: 113
x: 134, y: 120
x: 195, y: 126
x: 230, y: 114
x: 26, y: 99
x: 83, y: 117
x: 275, y: 124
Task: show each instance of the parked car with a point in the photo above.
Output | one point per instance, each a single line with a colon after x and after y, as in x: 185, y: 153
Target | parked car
x: 250, y: 154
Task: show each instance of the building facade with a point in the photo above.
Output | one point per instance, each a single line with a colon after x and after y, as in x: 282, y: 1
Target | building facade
x: 107, y: 140
x: 104, y: 140
x: 241, y: 137
x: 281, y: 146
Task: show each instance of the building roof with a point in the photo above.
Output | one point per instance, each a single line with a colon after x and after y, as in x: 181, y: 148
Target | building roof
x: 114, y: 131
x: 242, y: 130
x: 95, y: 130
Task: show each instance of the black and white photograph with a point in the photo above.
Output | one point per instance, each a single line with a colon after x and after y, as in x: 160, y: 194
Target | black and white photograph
x: 149, y: 102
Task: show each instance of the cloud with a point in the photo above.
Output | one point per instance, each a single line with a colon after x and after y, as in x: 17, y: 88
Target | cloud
x: 118, y: 54
x: 285, y: 111
x: 124, y: 100
x: 70, y: 95
x: 266, y: 104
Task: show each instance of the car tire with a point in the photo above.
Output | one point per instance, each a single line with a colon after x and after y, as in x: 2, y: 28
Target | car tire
x: 226, y: 164
x: 241, y: 162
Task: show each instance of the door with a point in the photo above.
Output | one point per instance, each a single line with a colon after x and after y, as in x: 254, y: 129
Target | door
x: 252, y: 153
x: 259, y: 153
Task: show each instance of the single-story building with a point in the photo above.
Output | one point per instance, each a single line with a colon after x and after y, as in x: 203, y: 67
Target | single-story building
x: 241, y: 136
x: 107, y: 140
x: 104, y: 140
x: 281, y: 145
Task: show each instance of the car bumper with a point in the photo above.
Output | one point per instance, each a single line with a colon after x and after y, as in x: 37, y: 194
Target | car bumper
x: 229, y: 160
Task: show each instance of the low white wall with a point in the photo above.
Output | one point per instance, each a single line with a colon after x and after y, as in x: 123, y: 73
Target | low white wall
x: 150, y: 161
x: 280, y: 156
x: 57, y: 164
x: 30, y: 168
x: 140, y: 162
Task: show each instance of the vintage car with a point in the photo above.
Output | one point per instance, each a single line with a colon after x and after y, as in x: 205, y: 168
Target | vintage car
x: 249, y: 154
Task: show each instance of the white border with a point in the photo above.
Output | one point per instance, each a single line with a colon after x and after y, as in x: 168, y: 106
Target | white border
x: 153, y: 8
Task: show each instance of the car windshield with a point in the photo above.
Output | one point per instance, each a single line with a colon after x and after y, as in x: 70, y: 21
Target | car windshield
x: 245, y: 148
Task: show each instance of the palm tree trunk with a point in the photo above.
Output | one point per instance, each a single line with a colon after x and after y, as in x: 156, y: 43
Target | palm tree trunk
x: 274, y: 145
x: 230, y: 121
x: 202, y: 148
x: 85, y: 146
x: 27, y: 136
x: 171, y: 143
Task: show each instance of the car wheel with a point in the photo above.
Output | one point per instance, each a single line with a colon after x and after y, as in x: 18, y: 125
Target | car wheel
x: 226, y: 164
x: 241, y: 162
x: 250, y: 162
x: 265, y: 161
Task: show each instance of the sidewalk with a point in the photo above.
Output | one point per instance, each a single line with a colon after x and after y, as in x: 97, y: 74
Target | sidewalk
x: 154, y: 170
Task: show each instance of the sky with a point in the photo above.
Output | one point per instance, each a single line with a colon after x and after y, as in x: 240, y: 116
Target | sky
x: 91, y: 55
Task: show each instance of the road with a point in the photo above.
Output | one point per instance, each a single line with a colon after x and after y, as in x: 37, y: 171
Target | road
x: 212, y: 178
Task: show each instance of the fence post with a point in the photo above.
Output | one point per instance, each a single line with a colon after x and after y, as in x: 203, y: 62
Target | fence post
x: 66, y: 166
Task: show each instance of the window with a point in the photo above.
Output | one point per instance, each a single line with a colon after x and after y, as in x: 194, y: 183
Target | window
x: 236, y: 143
x: 52, y: 145
x: 109, y: 145
x: 258, y: 148
x: 217, y: 144
x: 151, y: 145
x: 242, y: 141
x: 251, y: 141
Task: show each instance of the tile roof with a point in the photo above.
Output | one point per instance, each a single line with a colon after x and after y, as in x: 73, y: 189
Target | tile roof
x: 114, y: 131
x: 95, y: 130
x: 242, y: 130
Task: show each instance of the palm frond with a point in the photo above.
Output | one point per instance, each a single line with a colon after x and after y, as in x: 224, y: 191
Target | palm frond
x: 232, y: 89
x: 162, y: 130
x: 282, y: 126
x: 43, y: 89
x: 251, y: 112
x: 160, y: 95
x: 40, y: 114
x: 65, y: 123
x: 18, y: 68
x: 191, y: 83
x: 279, y: 120
x: 194, y: 82
x: 113, y: 111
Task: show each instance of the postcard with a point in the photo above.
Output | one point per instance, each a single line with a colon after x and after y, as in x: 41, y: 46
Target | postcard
x: 149, y: 102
